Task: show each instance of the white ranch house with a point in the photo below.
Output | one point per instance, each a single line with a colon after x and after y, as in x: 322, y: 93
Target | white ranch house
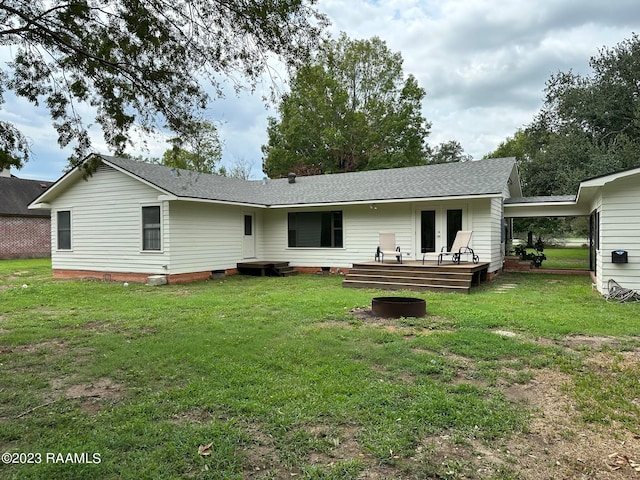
x: 131, y: 220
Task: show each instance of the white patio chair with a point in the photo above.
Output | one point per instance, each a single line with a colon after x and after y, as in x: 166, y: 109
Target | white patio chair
x: 460, y: 247
x: 387, y: 246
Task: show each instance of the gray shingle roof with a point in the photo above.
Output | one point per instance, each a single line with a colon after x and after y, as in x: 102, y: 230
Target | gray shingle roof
x: 483, y: 177
x: 17, y: 193
x: 542, y: 199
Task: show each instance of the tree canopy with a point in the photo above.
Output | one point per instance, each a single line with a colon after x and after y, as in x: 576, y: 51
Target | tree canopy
x: 199, y: 151
x: 588, y: 126
x: 448, y: 152
x: 349, y: 109
x: 152, y: 63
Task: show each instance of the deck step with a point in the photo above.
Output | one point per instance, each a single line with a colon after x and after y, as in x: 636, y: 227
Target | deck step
x: 463, y: 281
x: 266, y: 268
x: 285, y: 271
x: 405, y: 286
x: 441, y: 278
x: 445, y: 275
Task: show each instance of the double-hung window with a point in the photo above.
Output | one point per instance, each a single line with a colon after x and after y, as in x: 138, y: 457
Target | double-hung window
x: 63, y: 219
x: 151, y: 232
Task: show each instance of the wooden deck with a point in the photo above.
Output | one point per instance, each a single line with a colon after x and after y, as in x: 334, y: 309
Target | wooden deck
x: 266, y: 269
x: 413, y: 275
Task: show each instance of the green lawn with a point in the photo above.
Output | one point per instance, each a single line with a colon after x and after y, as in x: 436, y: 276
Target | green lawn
x: 566, y: 258
x: 289, y: 377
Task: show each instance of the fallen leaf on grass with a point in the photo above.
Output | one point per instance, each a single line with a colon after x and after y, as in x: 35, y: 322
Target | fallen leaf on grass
x: 205, y: 450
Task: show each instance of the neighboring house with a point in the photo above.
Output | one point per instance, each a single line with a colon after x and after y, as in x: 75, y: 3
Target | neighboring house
x: 130, y: 220
x: 612, y: 203
x: 24, y: 233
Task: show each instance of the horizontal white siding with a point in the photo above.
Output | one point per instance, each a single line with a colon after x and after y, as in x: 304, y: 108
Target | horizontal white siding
x: 620, y: 230
x: 362, y: 225
x: 484, y: 219
x: 207, y: 236
x: 362, y: 231
x: 106, y: 225
x: 493, y: 241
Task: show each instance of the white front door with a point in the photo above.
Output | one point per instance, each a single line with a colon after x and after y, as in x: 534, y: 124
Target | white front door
x: 248, y: 239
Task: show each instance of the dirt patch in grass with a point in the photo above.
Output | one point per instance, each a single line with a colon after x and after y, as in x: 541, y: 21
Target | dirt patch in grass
x: 91, y: 395
x: 505, y: 333
x: 399, y: 325
x: 559, y: 444
x: 96, y: 325
x: 103, y: 388
x: 343, y: 446
x: 197, y: 416
x: 94, y: 395
x: 556, y: 445
x: 613, y: 361
x: 263, y: 459
x: 54, y: 345
x: 584, y: 341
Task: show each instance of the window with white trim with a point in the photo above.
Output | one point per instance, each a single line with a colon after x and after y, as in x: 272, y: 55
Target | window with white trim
x: 151, y: 232
x: 63, y: 222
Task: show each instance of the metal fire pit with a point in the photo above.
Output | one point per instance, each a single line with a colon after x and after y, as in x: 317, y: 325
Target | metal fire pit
x: 396, y: 307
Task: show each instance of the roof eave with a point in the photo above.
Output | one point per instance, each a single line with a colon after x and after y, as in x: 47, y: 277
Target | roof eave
x: 51, y: 192
x: 543, y: 209
x: 39, y: 206
x: 587, y: 187
x: 386, y: 201
x: 171, y: 197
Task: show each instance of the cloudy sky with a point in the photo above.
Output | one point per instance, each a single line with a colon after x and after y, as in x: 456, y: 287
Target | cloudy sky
x: 483, y: 64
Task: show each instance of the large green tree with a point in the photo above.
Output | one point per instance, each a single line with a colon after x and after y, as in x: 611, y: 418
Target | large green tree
x: 448, y: 152
x: 199, y: 150
x: 349, y: 109
x: 149, y: 63
x: 588, y: 126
